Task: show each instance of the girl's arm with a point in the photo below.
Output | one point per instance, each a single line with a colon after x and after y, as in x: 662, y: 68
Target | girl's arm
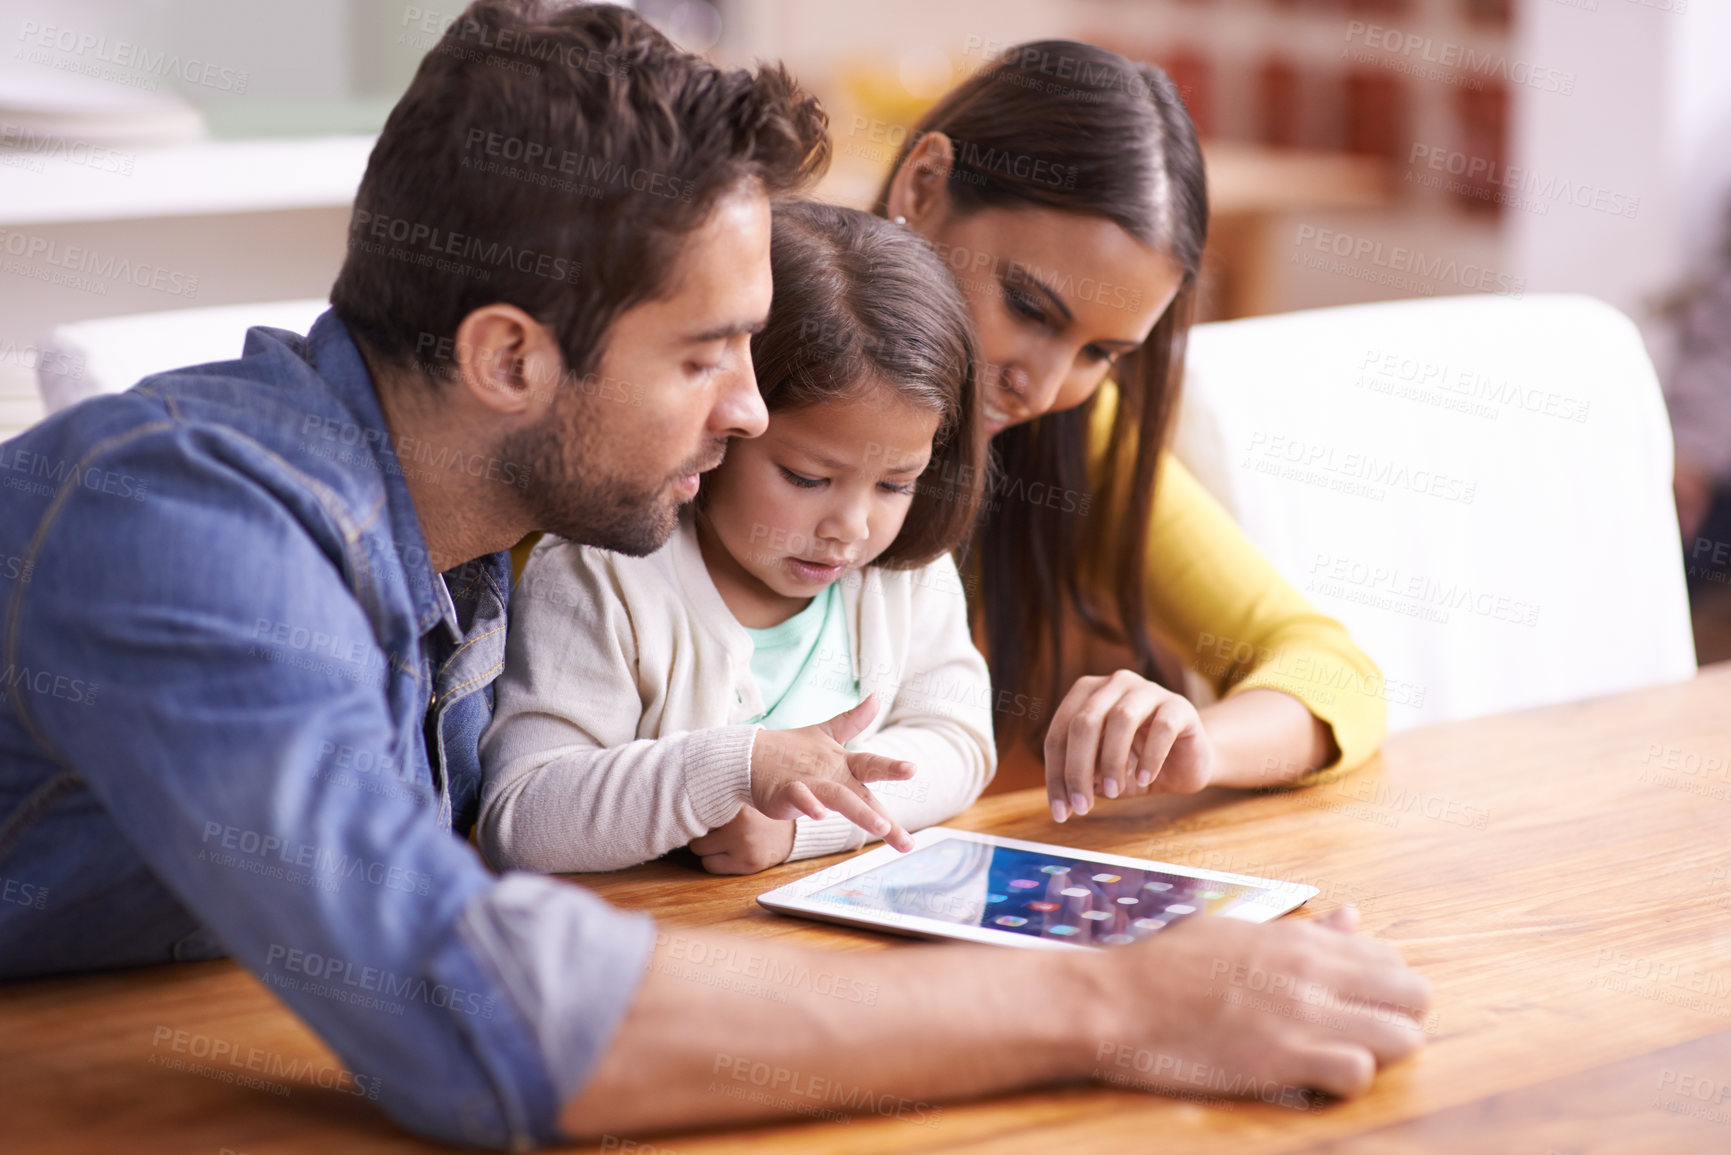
x: 569, y: 786
x: 938, y: 715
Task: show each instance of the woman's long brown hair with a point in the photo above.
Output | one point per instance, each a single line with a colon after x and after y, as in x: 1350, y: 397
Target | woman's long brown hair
x: 1122, y: 147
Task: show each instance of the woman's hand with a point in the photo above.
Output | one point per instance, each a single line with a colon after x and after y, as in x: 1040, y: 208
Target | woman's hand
x: 801, y: 771
x: 1122, y: 735
x: 747, y: 844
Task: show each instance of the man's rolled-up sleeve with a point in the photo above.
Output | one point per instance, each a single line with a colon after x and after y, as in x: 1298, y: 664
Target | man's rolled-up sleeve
x: 238, y: 687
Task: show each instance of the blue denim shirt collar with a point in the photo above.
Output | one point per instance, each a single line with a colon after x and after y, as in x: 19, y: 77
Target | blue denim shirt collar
x: 333, y: 353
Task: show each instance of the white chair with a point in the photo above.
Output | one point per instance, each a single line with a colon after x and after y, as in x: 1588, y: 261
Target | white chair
x: 1478, y: 487
x: 112, y: 354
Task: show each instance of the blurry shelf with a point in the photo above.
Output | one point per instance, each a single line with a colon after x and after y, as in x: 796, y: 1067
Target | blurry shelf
x: 1248, y: 178
x: 193, y: 180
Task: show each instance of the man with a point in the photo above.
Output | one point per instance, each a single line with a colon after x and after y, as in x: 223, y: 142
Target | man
x: 258, y: 605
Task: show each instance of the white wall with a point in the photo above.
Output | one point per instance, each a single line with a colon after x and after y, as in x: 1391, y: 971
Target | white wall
x: 1650, y: 118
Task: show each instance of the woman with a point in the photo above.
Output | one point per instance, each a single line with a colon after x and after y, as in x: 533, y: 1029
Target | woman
x: 1064, y: 187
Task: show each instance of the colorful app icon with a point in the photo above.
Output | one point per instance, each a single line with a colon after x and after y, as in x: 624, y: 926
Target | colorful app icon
x: 1023, y: 883
x: 1054, y: 870
x: 1149, y: 923
x: 1096, y: 915
x: 1010, y: 920
x: 1075, y: 892
x: 1108, y: 877
x: 991, y: 898
x: 1128, y: 900
x: 1042, y: 906
x: 1066, y: 931
x: 1157, y: 887
x: 1180, y: 908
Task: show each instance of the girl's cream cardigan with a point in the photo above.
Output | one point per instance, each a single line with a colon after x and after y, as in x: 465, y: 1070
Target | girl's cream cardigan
x: 618, y: 732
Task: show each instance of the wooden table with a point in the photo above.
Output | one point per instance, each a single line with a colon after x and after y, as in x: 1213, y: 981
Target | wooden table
x: 1562, y: 875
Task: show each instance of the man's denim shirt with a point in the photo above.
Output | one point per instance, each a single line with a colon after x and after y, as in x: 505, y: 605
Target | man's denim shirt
x: 221, y: 639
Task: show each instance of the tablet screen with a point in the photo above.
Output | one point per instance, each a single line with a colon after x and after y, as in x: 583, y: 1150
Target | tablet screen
x: 1044, y: 895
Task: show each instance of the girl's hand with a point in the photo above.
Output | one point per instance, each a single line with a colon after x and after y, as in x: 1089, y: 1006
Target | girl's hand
x: 1121, y: 736
x: 801, y: 771
x: 747, y: 844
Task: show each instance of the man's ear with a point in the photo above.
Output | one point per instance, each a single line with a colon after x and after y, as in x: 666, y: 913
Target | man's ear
x: 920, y: 189
x: 507, y: 361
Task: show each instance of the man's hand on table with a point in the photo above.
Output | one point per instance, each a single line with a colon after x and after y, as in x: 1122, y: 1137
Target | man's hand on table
x: 1299, y: 1005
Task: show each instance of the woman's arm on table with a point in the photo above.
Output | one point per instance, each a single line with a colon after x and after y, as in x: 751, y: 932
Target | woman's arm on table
x: 1300, y: 702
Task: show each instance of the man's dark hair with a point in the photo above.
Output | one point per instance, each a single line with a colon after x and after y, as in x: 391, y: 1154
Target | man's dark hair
x: 552, y: 157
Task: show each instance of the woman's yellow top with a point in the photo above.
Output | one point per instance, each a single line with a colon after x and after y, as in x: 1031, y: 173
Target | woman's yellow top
x: 1218, y: 604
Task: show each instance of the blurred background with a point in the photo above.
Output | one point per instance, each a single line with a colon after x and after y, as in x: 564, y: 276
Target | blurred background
x: 1358, y: 150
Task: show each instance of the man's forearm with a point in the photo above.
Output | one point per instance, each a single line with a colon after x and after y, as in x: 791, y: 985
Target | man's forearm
x: 1265, y: 737
x: 909, y: 1027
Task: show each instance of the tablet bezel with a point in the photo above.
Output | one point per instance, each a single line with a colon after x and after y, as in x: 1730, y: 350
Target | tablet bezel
x: 795, y: 898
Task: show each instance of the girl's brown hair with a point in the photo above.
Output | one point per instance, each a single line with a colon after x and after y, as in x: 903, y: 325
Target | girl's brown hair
x: 861, y: 303
x: 1111, y: 139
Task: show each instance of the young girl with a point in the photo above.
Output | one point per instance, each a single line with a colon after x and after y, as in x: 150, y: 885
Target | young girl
x: 805, y: 630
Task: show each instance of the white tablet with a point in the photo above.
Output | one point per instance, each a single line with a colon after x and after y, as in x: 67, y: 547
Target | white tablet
x: 982, y: 888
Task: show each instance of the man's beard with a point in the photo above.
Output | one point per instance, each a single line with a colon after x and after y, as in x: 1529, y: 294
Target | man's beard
x: 570, y: 495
